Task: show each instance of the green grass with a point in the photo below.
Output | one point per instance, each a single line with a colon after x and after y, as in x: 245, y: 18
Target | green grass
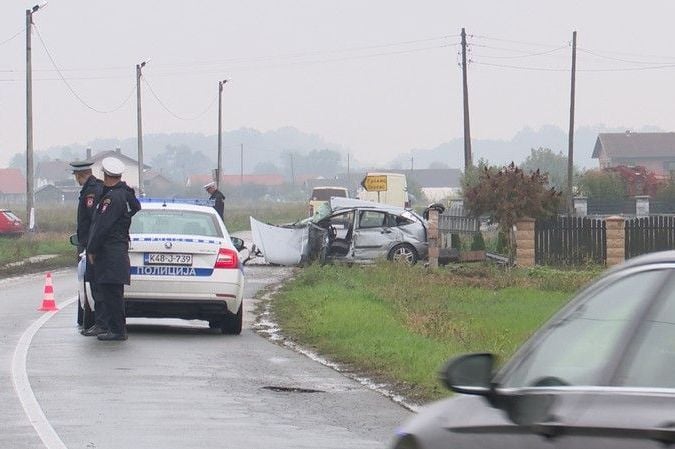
x: 237, y: 217
x: 401, y: 324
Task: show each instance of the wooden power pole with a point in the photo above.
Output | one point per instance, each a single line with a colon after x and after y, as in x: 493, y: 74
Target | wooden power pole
x: 570, y: 138
x: 467, y: 132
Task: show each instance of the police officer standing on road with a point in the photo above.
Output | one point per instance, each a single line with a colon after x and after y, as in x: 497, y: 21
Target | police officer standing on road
x: 90, y: 194
x: 218, y: 197
x: 108, y: 246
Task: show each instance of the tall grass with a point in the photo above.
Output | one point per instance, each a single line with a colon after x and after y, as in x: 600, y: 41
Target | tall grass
x: 402, y: 324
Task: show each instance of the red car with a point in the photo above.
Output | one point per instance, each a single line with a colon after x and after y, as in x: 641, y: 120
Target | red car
x: 10, y: 224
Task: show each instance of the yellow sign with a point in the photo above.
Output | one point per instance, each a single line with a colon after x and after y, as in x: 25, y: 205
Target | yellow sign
x: 375, y: 183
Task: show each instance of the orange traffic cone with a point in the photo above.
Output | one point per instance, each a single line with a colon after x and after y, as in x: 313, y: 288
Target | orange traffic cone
x: 48, y: 303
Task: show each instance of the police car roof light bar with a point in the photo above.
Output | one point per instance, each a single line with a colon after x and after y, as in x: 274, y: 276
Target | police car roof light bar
x: 195, y: 201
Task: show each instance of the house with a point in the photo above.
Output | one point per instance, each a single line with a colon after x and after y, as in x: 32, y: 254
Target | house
x: 654, y: 151
x: 271, y: 180
x: 158, y: 185
x: 12, y: 186
x: 130, y: 175
x: 50, y: 172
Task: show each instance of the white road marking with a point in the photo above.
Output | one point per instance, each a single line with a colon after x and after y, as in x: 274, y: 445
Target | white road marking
x: 34, y: 412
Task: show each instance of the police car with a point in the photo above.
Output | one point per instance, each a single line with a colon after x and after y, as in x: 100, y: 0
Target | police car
x: 184, y: 264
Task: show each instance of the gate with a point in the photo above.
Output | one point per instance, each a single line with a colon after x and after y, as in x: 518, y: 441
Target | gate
x: 566, y: 240
x: 649, y: 234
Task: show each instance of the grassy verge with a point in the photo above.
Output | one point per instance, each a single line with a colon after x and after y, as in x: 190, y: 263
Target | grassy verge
x: 17, y: 249
x: 400, y: 324
x: 237, y: 218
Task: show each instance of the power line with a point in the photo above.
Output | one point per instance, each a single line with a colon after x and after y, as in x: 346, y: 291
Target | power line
x: 532, y: 44
x: 70, y: 88
x: 555, y: 69
x: 525, y: 55
x: 629, y: 61
x: 161, y: 103
x: 13, y: 36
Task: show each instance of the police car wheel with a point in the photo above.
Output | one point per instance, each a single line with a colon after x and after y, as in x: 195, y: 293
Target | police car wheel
x: 231, y: 324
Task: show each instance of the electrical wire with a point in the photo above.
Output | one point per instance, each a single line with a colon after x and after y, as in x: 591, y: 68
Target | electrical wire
x: 555, y: 69
x: 70, y: 88
x: 526, y: 55
x: 13, y: 36
x: 532, y: 44
x: 161, y: 103
x: 304, y: 54
x: 629, y: 61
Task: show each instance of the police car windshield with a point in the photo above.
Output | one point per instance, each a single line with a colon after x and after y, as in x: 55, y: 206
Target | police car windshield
x: 150, y: 221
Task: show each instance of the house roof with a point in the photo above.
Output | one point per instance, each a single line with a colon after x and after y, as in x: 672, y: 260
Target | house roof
x: 53, y: 170
x: 117, y: 154
x: 12, y: 181
x: 261, y: 180
x: 633, y: 145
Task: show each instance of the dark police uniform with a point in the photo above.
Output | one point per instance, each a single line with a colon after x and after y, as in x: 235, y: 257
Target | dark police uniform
x: 90, y: 194
x: 109, y: 245
x: 218, y: 198
x: 220, y: 202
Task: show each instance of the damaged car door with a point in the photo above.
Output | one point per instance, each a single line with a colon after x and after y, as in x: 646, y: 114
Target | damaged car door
x: 373, y: 236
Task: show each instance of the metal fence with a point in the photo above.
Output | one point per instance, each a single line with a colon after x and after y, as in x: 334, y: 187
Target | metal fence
x: 649, y: 234
x: 570, y: 241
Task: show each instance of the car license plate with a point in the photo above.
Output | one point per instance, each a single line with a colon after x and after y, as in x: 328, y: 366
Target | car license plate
x: 167, y: 259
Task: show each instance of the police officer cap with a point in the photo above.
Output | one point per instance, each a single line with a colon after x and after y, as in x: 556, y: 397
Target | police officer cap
x: 209, y: 185
x: 81, y: 165
x: 112, y: 167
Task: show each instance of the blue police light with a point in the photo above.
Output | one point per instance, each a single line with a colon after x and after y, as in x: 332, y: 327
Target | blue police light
x: 195, y: 201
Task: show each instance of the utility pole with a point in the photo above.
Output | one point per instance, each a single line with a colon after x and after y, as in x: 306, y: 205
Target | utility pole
x: 139, y: 124
x: 467, y: 132
x: 292, y: 171
x: 570, y: 138
x: 30, y: 174
x: 349, y: 177
x: 412, y: 163
x: 219, y: 173
x: 241, y: 164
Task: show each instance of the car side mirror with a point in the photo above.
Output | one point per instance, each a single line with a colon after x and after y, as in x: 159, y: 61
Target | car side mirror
x: 469, y: 374
x: 238, y: 243
x: 74, y: 240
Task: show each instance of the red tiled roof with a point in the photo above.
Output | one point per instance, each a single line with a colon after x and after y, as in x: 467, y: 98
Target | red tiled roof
x: 261, y: 180
x: 12, y: 181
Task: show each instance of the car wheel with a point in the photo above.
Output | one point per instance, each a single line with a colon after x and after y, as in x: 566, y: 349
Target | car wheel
x: 80, y: 312
x: 403, y: 253
x: 231, y: 324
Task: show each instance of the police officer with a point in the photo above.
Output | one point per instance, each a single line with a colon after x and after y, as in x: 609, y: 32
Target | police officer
x: 218, y: 197
x: 108, y: 246
x: 90, y: 193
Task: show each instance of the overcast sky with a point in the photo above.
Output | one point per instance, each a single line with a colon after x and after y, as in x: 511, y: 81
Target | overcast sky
x: 378, y: 77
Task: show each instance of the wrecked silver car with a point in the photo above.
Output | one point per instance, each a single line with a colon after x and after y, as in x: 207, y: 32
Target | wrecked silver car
x: 349, y: 230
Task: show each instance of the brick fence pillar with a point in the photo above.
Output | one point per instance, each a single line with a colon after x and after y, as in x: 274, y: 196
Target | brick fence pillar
x: 432, y: 238
x: 616, y: 240
x: 525, y: 242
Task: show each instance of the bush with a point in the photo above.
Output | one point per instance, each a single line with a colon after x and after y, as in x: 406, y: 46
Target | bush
x: 478, y: 242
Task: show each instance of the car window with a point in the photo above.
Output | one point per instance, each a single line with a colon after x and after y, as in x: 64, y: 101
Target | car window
x: 577, y: 346
x: 371, y: 219
x: 653, y: 363
x: 11, y: 216
x: 397, y: 220
x: 151, y: 221
x: 326, y: 194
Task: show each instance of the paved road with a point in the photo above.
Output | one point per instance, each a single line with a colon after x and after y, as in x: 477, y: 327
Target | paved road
x: 173, y: 384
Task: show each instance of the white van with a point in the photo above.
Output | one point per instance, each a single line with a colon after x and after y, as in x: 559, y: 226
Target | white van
x: 396, y: 193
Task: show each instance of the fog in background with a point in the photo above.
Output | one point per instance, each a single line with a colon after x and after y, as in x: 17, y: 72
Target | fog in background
x: 379, y: 80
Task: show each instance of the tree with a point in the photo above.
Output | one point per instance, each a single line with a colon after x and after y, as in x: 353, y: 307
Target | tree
x: 554, y: 165
x: 177, y: 162
x: 509, y: 194
x: 602, y: 185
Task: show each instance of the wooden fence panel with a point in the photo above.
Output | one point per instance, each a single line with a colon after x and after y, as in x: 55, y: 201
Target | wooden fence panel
x: 649, y: 234
x: 570, y: 241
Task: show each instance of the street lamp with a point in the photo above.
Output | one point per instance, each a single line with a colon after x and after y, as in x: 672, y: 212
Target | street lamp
x: 30, y: 194
x: 139, y: 123
x: 220, y: 131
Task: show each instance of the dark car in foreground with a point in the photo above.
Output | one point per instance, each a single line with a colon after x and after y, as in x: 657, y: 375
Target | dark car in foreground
x: 599, y: 374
